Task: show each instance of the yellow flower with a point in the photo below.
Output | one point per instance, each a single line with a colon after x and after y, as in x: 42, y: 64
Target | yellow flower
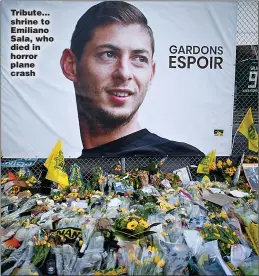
x: 212, y: 216
x: 234, y: 234
x: 219, y: 164
x: 158, y: 175
x: 216, y: 235
x: 46, y: 238
x: 143, y: 223
x: 161, y: 263
x: 132, y: 225
x: 251, y: 200
x: 118, y: 168
x: 80, y: 211
x: 98, y: 192
x: 101, y: 179
x: 4, y: 180
x: 229, y: 245
x: 48, y: 244
x: 207, y: 224
x: 123, y: 210
x: 232, y: 242
x: 138, y: 262
x: 176, y: 204
x: 156, y: 259
x: 165, y: 205
x: 164, y: 234
x: 74, y: 209
x: 229, y: 171
x: 81, y: 243
x: 229, y: 162
x: 223, y: 214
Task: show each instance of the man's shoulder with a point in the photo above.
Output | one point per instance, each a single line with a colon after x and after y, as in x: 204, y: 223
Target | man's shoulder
x: 142, y: 143
x: 170, y: 147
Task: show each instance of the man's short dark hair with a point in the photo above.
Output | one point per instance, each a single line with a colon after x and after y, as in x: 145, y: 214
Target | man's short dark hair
x: 106, y: 13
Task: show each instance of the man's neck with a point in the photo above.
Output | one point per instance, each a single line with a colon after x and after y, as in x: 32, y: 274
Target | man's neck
x: 98, y: 137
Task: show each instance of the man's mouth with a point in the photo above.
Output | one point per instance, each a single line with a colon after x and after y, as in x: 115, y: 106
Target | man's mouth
x: 120, y: 92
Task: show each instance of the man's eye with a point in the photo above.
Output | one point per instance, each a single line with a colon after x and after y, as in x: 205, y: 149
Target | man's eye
x: 142, y: 59
x: 108, y: 54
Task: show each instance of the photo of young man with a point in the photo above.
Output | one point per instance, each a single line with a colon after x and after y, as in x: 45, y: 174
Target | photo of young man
x: 111, y: 64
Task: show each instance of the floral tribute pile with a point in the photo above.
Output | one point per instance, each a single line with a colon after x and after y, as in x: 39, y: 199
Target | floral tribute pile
x: 141, y: 222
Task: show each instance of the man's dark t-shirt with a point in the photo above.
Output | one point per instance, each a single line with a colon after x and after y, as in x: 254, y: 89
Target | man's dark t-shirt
x: 142, y: 143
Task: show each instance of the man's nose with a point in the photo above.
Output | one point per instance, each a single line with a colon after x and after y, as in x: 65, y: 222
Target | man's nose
x: 123, y: 70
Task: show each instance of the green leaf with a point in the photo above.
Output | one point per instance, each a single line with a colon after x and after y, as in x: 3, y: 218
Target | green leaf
x: 169, y: 211
x: 146, y: 233
x: 154, y: 224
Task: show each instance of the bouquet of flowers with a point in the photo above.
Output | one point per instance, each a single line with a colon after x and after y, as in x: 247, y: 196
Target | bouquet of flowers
x: 251, y: 159
x: 223, y: 234
x: 222, y: 171
x: 132, y: 227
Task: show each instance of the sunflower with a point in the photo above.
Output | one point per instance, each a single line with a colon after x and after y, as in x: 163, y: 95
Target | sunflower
x: 132, y: 225
x: 143, y: 223
x: 123, y: 210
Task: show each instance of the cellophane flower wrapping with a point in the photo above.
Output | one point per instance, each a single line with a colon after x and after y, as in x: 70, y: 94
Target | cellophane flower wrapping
x: 210, y: 261
x: 21, y: 255
x: 177, y: 257
x: 92, y: 258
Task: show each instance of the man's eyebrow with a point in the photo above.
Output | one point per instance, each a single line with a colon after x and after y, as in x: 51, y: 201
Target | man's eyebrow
x: 141, y: 51
x: 117, y: 49
x: 109, y: 46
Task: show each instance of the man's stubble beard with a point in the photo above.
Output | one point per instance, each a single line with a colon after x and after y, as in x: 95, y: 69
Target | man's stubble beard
x: 97, y: 119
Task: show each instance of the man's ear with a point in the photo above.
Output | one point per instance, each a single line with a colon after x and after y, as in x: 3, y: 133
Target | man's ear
x: 68, y: 65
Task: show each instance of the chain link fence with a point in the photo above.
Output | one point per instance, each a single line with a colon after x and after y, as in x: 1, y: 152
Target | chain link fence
x: 246, y: 76
x: 245, y: 96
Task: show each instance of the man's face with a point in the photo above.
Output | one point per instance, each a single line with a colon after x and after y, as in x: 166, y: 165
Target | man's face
x: 114, y: 72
